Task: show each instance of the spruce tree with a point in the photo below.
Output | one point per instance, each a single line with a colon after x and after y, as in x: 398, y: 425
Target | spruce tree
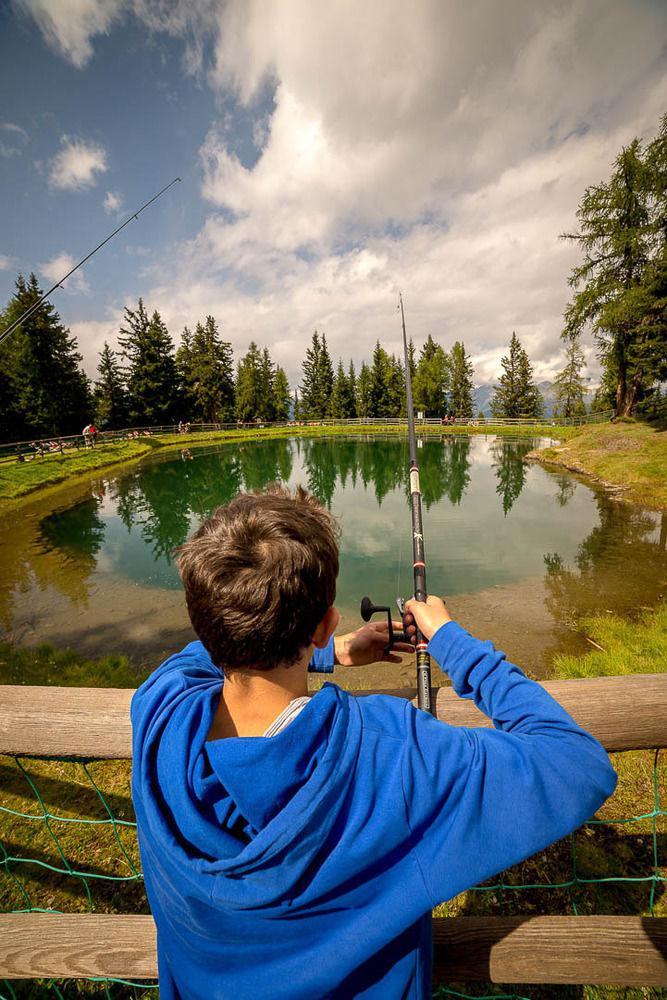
x: 381, y: 372
x: 281, y: 395
x: 569, y: 384
x: 152, y: 382
x: 462, y: 387
x: 363, y: 394
x: 317, y: 381
x: 249, y: 385
x: 342, y: 397
x: 211, y: 375
x: 396, y: 398
x: 186, y: 393
x: 352, y: 383
x: 47, y: 391
x: 622, y: 235
x: 431, y: 381
x: 516, y: 395
x: 266, y: 378
x: 110, y: 394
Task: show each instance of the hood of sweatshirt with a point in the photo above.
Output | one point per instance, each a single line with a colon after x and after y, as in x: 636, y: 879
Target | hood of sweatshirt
x: 240, y: 820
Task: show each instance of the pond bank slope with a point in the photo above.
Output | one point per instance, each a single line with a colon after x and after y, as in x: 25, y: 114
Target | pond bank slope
x: 628, y: 459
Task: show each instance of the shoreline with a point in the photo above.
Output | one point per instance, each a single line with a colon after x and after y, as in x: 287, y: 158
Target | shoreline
x: 142, y: 447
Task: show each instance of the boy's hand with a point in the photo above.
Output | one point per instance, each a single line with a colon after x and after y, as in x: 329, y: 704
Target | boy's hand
x: 367, y: 644
x: 429, y: 615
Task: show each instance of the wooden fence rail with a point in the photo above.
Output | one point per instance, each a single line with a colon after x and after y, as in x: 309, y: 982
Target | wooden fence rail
x: 625, y: 713
x: 626, y: 951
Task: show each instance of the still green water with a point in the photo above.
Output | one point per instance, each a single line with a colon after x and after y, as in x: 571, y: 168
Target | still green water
x: 521, y: 552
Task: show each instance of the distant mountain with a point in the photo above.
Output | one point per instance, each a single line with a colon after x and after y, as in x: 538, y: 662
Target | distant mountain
x: 483, y: 395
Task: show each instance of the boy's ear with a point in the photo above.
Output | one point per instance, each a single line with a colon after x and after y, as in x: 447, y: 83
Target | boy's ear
x: 326, y: 628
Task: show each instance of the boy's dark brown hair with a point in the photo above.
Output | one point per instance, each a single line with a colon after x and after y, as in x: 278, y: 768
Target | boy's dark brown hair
x: 259, y: 576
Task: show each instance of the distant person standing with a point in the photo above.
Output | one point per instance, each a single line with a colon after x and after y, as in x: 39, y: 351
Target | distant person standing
x: 89, y: 434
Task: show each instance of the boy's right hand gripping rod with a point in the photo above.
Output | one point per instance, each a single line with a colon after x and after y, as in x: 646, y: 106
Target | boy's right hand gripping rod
x: 418, y: 559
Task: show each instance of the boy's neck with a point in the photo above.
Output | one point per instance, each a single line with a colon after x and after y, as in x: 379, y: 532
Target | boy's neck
x: 250, y: 702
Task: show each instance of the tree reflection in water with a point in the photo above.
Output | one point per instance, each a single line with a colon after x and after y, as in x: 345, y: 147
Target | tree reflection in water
x: 620, y: 565
x: 510, y: 469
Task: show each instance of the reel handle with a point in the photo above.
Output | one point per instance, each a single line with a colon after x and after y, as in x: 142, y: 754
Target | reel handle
x: 368, y: 609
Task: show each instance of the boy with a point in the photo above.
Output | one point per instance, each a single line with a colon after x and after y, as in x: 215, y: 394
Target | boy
x: 293, y: 847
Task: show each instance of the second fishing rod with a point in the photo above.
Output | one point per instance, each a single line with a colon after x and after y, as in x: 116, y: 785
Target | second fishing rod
x: 423, y: 660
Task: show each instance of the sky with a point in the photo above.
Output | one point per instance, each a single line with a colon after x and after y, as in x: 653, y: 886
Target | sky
x: 331, y: 153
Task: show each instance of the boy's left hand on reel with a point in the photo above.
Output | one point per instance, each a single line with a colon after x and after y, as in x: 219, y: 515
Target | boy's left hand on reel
x: 368, y: 645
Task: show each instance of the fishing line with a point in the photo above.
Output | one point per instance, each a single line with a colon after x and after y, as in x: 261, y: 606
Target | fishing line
x: 135, y: 215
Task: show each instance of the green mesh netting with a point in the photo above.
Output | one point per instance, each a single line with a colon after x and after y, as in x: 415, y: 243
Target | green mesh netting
x: 67, y: 845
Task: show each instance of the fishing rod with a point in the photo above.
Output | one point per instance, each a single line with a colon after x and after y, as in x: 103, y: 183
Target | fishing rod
x: 423, y: 660
x: 58, y: 284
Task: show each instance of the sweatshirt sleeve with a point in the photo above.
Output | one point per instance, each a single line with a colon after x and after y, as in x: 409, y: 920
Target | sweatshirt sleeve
x: 322, y: 661
x: 481, y: 800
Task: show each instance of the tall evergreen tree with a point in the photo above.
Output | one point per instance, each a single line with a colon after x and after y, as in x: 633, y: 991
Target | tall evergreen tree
x: 211, y: 375
x: 431, y: 382
x: 569, y: 384
x: 43, y: 383
x: 152, y: 382
x: 396, y: 399
x: 622, y: 234
x: 516, y: 395
x: 317, y: 383
x: 352, y: 383
x: 462, y: 387
x: 249, y: 385
x: 342, y: 396
x: 186, y: 390
x: 363, y: 395
x: 381, y: 372
x: 282, y: 398
x: 110, y: 394
x: 266, y: 379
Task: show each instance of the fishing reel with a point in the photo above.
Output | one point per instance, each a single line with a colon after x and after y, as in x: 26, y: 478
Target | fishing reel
x: 368, y: 609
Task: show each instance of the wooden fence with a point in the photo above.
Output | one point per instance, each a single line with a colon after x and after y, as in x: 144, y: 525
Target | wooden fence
x: 625, y: 713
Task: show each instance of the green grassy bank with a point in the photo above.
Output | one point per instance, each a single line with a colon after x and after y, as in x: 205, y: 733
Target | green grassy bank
x: 629, y: 459
x: 19, y: 480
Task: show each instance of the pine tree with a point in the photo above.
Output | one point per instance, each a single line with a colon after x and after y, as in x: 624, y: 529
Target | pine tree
x: 266, y: 377
x: 381, y: 372
x: 462, y: 386
x: 317, y: 383
x: 281, y: 395
x: 186, y: 391
x: 152, y: 382
x: 249, y: 385
x: 569, y: 384
x: 47, y: 391
x: 396, y: 398
x: 516, y: 395
x: 110, y: 394
x: 211, y: 375
x: 342, y: 397
x: 352, y: 383
x: 411, y: 358
x: 622, y: 234
x: 363, y: 395
x: 431, y: 381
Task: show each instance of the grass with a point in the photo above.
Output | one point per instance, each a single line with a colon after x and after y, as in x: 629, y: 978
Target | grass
x: 18, y: 479
x: 25, y: 479
x: 630, y: 457
x: 622, y: 646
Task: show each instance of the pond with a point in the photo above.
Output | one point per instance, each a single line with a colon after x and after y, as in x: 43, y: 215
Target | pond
x: 521, y: 553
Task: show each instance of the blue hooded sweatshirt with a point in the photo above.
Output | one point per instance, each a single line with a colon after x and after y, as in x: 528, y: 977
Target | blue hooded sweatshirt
x: 305, y: 865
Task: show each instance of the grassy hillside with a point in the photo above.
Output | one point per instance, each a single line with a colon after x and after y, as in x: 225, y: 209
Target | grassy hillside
x: 629, y: 458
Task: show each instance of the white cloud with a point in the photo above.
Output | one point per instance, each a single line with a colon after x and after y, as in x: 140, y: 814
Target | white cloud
x: 13, y: 139
x: 442, y: 153
x: 76, y: 166
x: 58, y: 266
x: 6, y: 263
x: 113, y: 203
x: 69, y: 25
